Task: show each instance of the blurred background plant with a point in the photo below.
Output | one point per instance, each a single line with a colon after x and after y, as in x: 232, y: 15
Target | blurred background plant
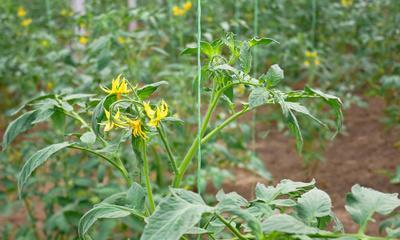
x: 347, y: 47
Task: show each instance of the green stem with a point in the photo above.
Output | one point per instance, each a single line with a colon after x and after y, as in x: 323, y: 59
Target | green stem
x: 117, y: 165
x: 146, y: 173
x: 231, y: 228
x: 224, y: 124
x: 168, y: 148
x: 190, y: 153
x: 31, y: 217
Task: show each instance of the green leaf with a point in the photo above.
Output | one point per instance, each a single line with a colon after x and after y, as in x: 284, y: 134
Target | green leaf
x: 334, y: 102
x: 258, y: 97
x: 287, y: 186
x: 88, y: 137
x: 36, y: 160
x: 136, y: 197
x: 43, y: 115
x: 312, y: 205
x: 145, y: 91
x: 98, y: 112
x: 273, y: 76
x: 245, y: 58
x: 264, y: 41
x: 230, y: 200
x: 286, y: 224
x: 363, y: 202
x: 266, y: 194
x: 19, y: 125
x: 295, y: 106
x: 32, y: 101
x: 291, y: 120
x: 100, y: 211
x: 175, y: 215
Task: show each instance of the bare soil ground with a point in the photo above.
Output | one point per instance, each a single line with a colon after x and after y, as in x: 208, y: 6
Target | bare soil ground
x: 361, y: 155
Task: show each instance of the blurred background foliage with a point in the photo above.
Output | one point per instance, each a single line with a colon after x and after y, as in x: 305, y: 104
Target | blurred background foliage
x: 347, y: 47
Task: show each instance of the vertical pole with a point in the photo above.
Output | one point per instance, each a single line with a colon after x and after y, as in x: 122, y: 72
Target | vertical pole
x: 255, y: 32
x: 198, y: 95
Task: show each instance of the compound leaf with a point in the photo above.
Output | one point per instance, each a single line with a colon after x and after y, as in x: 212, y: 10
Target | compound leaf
x: 36, y: 160
x: 363, y: 202
x: 175, y: 216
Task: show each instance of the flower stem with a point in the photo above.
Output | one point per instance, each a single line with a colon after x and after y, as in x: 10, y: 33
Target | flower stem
x: 168, y: 148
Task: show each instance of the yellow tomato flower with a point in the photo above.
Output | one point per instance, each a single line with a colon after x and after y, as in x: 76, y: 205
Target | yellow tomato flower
x: 121, y: 40
x: 314, y: 54
x: 26, y: 22
x: 148, y: 110
x: 50, y: 86
x: 83, y: 40
x: 306, y: 63
x: 137, y: 128
x: 159, y: 114
x: 317, y: 62
x: 307, y: 53
x: 21, y: 12
x: 346, y: 3
x: 177, y: 11
x: 118, y: 87
x: 112, y: 122
x: 187, y: 6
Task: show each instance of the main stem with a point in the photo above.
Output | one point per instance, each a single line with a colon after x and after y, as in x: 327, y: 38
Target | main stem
x: 146, y: 173
x: 192, y: 150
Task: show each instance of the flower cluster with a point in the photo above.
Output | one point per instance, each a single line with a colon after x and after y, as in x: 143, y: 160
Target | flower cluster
x: 22, y: 14
x: 148, y: 117
x: 311, y: 58
x: 118, y: 87
x: 180, y: 11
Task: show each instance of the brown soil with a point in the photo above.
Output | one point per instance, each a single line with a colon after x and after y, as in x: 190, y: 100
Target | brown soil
x: 361, y: 155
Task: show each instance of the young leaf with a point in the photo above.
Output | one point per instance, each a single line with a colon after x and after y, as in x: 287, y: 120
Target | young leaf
x: 258, y: 97
x: 103, y: 210
x: 245, y: 58
x: 175, y: 216
x: 363, y: 202
x: 88, y: 137
x: 145, y: 91
x: 286, y: 224
x: 313, y: 204
x: 19, y: 125
x: 36, y: 160
x: 264, y: 41
x: 273, y: 76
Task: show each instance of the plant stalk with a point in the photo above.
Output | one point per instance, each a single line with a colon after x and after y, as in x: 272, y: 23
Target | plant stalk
x: 146, y: 173
x: 168, y: 149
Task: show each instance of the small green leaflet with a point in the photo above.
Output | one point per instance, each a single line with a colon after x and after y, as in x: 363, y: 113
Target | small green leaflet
x: 19, y: 125
x: 146, y: 91
x: 258, y: 97
x: 273, y: 77
x: 264, y: 41
x: 36, y: 160
x: 175, y: 216
x: 286, y: 224
x: 313, y: 204
x: 103, y: 210
x: 245, y: 58
x: 363, y: 202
